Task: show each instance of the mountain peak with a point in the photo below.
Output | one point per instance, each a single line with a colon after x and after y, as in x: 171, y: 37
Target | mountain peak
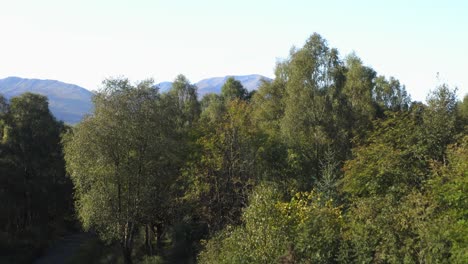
x: 214, y: 84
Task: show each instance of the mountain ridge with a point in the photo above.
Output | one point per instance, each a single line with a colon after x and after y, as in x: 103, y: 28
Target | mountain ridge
x: 67, y: 102
x: 70, y: 102
x: 214, y: 84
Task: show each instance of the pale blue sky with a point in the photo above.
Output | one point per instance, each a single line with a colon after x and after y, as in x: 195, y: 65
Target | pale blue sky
x: 84, y: 41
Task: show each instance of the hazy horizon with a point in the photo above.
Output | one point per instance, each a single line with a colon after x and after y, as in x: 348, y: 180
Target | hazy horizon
x: 83, y: 42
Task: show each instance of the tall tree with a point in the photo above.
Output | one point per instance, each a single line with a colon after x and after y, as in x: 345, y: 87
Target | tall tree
x: 315, y: 118
x: 440, y: 120
x: 358, y: 91
x: 267, y: 113
x: 223, y: 171
x: 185, y: 95
x: 268, y: 103
x: 122, y: 160
x: 390, y: 95
x: 233, y: 89
x: 36, y: 193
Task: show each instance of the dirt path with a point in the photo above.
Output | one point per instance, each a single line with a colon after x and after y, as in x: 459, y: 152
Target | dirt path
x: 64, y: 249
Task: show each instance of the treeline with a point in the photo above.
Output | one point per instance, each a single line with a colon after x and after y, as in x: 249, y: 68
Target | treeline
x: 327, y: 163
x: 35, y: 194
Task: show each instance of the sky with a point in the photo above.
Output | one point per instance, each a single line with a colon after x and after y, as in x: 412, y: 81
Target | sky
x: 85, y: 41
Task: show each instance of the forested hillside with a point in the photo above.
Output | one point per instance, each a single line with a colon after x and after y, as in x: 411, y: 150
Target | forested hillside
x: 330, y: 162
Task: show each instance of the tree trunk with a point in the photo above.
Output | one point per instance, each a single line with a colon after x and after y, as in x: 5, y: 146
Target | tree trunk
x: 149, y: 247
x: 127, y: 254
x: 127, y: 242
x: 159, y: 235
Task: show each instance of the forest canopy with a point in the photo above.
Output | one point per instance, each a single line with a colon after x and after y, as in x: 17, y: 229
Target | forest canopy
x: 329, y: 162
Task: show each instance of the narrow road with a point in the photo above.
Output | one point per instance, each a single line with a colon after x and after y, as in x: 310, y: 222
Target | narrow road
x: 62, y: 250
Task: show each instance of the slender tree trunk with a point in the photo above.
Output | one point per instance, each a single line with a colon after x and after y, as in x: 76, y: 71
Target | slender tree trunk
x: 127, y: 254
x: 127, y: 242
x: 26, y: 213
x: 149, y: 247
x: 159, y: 235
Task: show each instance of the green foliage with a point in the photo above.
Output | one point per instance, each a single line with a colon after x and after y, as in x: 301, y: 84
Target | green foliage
x: 152, y: 260
x: 223, y: 172
x: 462, y: 108
x: 305, y: 229
x: 388, y: 230
x: 35, y: 195
x: 327, y: 163
x: 315, y: 115
x: 394, y: 160
x: 268, y: 111
x: 123, y: 161
x: 396, y: 203
x: 449, y: 187
x: 358, y: 90
x: 233, y: 89
x: 3, y: 106
x: 185, y: 98
x: 390, y: 95
x: 394, y: 214
x: 254, y: 242
x: 213, y: 108
x: 328, y: 185
x: 268, y: 106
x: 440, y: 120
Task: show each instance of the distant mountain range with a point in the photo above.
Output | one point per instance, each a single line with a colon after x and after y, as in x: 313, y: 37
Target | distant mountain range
x: 70, y: 103
x: 213, y: 85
